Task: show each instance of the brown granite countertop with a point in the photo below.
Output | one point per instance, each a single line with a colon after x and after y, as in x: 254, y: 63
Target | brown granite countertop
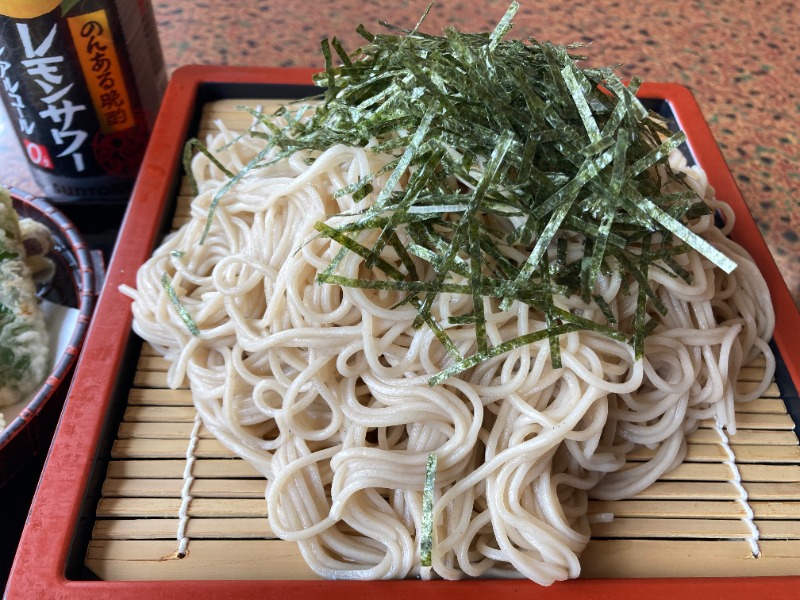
x: 740, y: 58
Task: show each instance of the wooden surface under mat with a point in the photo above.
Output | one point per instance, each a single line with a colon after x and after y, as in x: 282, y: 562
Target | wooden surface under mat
x: 688, y: 524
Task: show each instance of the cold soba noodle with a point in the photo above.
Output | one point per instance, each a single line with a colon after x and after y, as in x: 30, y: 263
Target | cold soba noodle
x: 429, y: 192
x: 324, y: 389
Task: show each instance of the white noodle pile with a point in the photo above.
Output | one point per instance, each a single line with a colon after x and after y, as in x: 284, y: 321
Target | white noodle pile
x: 325, y: 390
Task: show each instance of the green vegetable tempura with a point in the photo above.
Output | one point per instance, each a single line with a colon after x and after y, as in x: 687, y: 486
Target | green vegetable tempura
x: 23, y: 337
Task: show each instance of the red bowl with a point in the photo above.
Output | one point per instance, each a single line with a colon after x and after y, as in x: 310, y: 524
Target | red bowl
x: 28, y: 435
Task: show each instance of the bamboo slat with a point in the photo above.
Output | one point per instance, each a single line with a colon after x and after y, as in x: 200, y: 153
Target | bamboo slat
x: 171, y: 488
x: 229, y: 468
x: 130, y: 560
x: 127, y: 560
x: 167, y: 507
x: 624, y: 527
x: 749, y: 438
x: 206, y: 448
x: 164, y: 529
x: 690, y: 558
x: 687, y: 524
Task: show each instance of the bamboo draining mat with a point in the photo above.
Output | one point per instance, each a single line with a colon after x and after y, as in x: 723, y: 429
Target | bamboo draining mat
x: 688, y: 524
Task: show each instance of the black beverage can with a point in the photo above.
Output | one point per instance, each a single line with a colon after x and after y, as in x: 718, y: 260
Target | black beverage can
x: 81, y: 81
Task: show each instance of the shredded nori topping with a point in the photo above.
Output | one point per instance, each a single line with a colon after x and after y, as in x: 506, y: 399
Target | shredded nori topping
x: 182, y: 311
x: 497, y: 143
x: 426, y: 530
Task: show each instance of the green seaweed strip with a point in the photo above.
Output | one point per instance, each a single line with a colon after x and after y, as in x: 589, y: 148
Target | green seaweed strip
x: 262, y: 120
x: 640, y: 275
x: 607, y: 220
x: 647, y: 207
x: 641, y: 311
x: 545, y: 239
x: 504, y: 26
x: 587, y: 324
x: 426, y: 528
x: 476, y: 285
x: 352, y: 245
x: 571, y: 77
x: 561, y: 252
x: 433, y: 258
x: 555, y: 348
x: 190, y: 145
x: 489, y: 287
x: 183, y: 313
x: 399, y: 216
x: 405, y: 257
x: 512, y: 344
x: 341, y: 52
x: 503, y: 145
x: 575, y: 223
x: 226, y: 187
x: 404, y: 162
x: 326, y: 53
x: 438, y: 332
x: 359, y: 190
x: 605, y: 309
x: 551, y: 321
x: 657, y: 154
x: 589, y: 169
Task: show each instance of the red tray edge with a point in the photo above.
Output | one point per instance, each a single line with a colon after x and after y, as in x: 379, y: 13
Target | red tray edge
x: 39, y: 567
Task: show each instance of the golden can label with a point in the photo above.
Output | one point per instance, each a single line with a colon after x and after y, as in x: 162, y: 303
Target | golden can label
x: 82, y: 83
x: 97, y: 54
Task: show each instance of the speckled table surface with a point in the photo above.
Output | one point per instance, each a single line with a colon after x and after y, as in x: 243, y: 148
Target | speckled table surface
x: 740, y: 58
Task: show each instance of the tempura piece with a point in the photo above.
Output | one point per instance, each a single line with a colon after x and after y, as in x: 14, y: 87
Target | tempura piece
x: 23, y: 336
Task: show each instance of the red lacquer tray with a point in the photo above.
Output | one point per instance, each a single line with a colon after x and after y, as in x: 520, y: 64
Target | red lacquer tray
x: 53, y: 542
